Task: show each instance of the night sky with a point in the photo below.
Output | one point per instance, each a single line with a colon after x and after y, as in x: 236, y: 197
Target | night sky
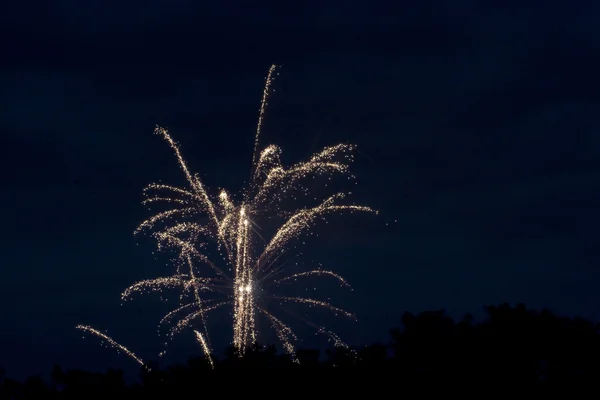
x: 477, y: 125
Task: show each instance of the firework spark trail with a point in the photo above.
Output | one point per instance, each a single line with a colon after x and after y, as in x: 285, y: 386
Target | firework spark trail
x: 159, y: 186
x: 153, y: 285
x: 111, y: 342
x: 200, y: 304
x: 332, y: 336
x: 283, y: 180
x: 314, y: 302
x: 284, y: 333
x: 194, y: 181
x: 261, y: 113
x: 205, y: 347
x: 320, y: 272
x: 197, y: 221
x: 149, y: 223
x: 185, y: 322
x: 188, y: 248
x: 173, y: 313
x: 301, y: 221
x: 337, y: 341
x: 187, y: 227
x: 156, y: 199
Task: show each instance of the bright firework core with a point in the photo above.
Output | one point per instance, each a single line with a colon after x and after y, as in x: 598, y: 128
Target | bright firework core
x: 230, y: 223
x: 247, y: 288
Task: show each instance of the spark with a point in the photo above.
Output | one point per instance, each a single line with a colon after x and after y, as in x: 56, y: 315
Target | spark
x: 284, y: 333
x: 111, y: 342
x: 205, y: 347
x: 263, y: 107
x: 153, y: 285
x: 318, y: 303
x: 224, y: 254
x: 319, y: 272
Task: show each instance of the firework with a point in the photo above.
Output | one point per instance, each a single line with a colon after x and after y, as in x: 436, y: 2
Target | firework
x: 248, y: 263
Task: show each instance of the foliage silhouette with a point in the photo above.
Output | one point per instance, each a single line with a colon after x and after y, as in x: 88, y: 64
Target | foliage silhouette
x: 512, y: 346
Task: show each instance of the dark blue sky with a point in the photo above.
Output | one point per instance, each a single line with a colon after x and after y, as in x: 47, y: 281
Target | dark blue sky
x: 477, y: 123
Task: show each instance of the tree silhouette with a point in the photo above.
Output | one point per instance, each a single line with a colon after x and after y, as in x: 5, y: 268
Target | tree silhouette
x: 513, y: 346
